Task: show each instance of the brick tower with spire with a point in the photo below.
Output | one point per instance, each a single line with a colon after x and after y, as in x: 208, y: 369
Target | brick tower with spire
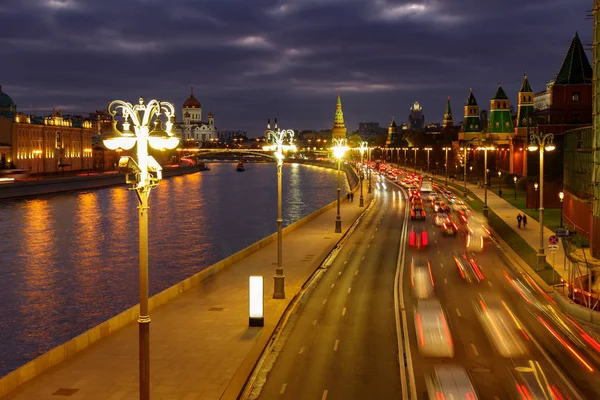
x: 471, y: 127
x: 523, y: 124
x: 448, y: 115
x: 339, y: 128
x: 392, y: 133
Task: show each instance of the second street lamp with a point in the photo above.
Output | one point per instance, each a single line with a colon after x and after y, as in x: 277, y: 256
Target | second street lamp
x: 282, y: 140
x: 339, y: 149
x: 485, y: 149
x: 415, y: 150
x: 144, y: 175
x: 515, y: 181
x: 427, y: 149
x: 499, y: 180
x: 363, y: 146
x: 561, y: 196
x: 543, y: 143
x: 446, y: 163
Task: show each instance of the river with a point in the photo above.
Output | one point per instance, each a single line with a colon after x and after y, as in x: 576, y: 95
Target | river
x: 70, y: 261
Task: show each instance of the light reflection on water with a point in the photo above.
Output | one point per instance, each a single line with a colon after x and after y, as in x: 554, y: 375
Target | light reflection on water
x: 70, y: 261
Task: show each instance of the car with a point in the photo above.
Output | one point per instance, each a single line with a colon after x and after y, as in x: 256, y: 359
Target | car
x: 502, y: 327
x: 474, y: 241
x: 433, y: 196
x: 421, y: 279
x: 417, y: 212
x: 468, y: 268
x: 449, y: 227
x: 418, y: 239
x: 531, y: 381
x: 439, y: 219
x: 449, y: 382
x: 431, y: 326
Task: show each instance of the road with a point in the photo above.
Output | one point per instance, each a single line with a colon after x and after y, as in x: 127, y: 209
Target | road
x: 341, y: 341
x: 567, y: 364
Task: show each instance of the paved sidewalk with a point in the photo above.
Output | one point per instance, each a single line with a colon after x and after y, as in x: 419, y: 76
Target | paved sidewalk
x: 201, y: 344
x: 509, y: 213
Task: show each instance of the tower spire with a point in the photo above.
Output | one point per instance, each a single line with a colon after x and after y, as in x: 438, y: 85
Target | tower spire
x: 339, y: 128
x: 448, y: 121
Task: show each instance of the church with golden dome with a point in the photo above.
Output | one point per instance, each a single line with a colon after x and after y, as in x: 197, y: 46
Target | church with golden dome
x: 192, y: 129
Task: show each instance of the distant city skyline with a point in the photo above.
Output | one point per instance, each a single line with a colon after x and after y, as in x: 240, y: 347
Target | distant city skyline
x: 249, y: 61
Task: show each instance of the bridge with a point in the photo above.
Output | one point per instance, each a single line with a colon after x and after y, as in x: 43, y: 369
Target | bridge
x: 220, y: 154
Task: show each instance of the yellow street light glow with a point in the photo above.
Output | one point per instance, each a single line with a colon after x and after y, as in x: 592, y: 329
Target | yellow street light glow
x: 339, y: 148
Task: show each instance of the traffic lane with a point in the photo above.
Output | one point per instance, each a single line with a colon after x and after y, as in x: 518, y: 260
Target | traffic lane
x: 489, y: 371
x: 367, y: 355
x: 306, y: 361
x: 572, y: 363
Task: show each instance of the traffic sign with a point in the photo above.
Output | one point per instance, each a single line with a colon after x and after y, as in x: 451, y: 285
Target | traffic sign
x: 553, y: 239
x: 561, y: 233
x: 553, y: 247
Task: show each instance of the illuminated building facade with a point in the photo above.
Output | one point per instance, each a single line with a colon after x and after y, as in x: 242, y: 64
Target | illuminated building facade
x: 193, y: 130
x: 416, y: 119
x: 339, y: 127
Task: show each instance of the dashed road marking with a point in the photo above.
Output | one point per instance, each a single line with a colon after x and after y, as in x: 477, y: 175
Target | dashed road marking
x: 324, y: 397
x: 282, y: 391
x: 336, y: 344
x: 345, y: 262
x: 363, y: 258
x: 441, y: 265
x: 490, y: 283
x: 350, y: 254
x: 344, y: 311
x: 314, y: 322
x: 301, y: 350
x: 474, y: 349
x: 356, y: 273
x: 439, y: 251
x: 458, y: 313
x: 332, y: 285
x: 445, y: 280
x: 373, y: 237
x: 436, y: 243
x: 349, y: 290
x: 368, y: 246
x: 324, y: 301
x: 340, y: 273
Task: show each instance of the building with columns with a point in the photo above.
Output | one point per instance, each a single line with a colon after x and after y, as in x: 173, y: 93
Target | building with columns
x: 192, y: 129
x: 339, y: 128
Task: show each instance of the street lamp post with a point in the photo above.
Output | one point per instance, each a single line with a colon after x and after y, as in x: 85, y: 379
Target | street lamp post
x: 499, y: 180
x: 535, y: 187
x: 541, y: 143
x: 144, y: 175
x: 415, y: 150
x: 405, y: 149
x: 427, y: 149
x: 339, y: 148
x: 278, y: 139
x: 363, y: 146
x: 485, y: 177
x: 37, y: 154
x: 561, y: 196
x: 515, y: 181
x: 464, y: 150
x: 369, y: 168
x: 446, y: 163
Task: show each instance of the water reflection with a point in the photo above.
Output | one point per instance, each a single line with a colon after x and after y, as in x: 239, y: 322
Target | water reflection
x: 70, y: 261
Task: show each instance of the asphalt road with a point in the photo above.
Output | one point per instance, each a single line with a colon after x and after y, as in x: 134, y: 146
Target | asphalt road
x: 341, y: 341
x: 473, y: 349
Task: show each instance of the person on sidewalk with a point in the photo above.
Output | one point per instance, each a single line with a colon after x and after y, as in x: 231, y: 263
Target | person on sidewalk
x: 348, y: 196
x: 524, y: 221
x: 352, y: 196
x: 519, y: 219
x: 500, y: 192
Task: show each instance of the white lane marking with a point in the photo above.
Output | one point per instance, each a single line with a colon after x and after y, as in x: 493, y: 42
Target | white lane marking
x: 376, y: 229
x: 315, y: 322
x: 340, y: 273
x: 441, y: 265
x: 324, y: 301
x: 439, y: 251
x: 373, y: 237
x: 356, y: 273
x: 282, y: 391
x: 350, y: 254
x: 344, y: 311
x: 368, y: 246
x: 436, y: 243
x: 458, y: 313
x: 433, y: 233
x: 349, y: 290
x: 490, y: 283
x: 332, y: 285
x: 445, y: 280
x: 345, y: 262
x: 301, y: 350
x: 363, y: 258
x: 324, y: 397
x: 474, y: 349
x: 335, y: 346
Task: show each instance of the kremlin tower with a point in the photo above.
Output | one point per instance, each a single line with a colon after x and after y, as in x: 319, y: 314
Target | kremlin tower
x: 392, y: 133
x: 339, y: 128
x: 524, y: 121
x: 500, y: 120
x: 448, y: 115
x: 471, y: 127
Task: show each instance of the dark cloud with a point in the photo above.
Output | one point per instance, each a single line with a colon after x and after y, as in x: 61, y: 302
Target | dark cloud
x: 249, y: 60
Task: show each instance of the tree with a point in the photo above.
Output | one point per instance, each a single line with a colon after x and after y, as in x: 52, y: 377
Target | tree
x: 354, y: 140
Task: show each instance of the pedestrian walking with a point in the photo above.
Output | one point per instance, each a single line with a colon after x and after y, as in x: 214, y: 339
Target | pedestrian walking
x: 352, y: 196
x: 519, y: 219
x: 500, y: 192
x: 348, y: 196
x: 524, y: 221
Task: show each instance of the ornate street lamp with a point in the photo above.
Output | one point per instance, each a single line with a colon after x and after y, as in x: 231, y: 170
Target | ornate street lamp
x: 369, y: 168
x: 561, y: 196
x: 427, y: 149
x: 364, y: 146
x: 144, y: 175
x: 541, y: 144
x: 485, y: 178
x: 282, y: 141
x: 446, y: 162
x: 339, y: 149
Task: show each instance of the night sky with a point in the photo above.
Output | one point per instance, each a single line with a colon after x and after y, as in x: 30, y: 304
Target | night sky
x: 249, y: 60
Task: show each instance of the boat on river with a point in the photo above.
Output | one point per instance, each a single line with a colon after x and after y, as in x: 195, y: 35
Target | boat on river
x: 240, y: 167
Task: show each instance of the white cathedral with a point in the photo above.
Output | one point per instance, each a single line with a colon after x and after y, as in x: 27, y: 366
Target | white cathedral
x: 193, y: 130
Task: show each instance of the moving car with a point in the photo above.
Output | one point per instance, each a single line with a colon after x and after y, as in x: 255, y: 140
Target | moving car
x: 433, y: 333
x: 417, y: 212
x: 449, y: 382
x: 449, y: 228
x: 421, y: 279
x: 474, y: 241
x: 468, y: 268
x: 439, y: 219
x: 418, y: 240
